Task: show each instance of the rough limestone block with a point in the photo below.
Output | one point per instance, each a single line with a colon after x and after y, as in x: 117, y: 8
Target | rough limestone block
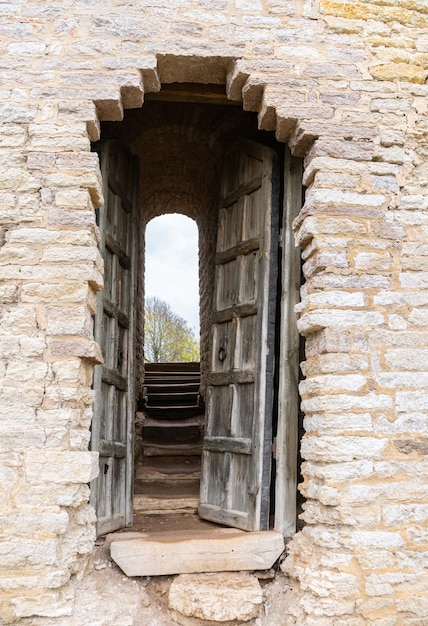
x: 216, y: 597
x: 186, y: 552
x: 61, y: 467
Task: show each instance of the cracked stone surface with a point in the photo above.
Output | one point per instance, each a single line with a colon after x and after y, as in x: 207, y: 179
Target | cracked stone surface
x: 217, y: 597
x: 106, y: 597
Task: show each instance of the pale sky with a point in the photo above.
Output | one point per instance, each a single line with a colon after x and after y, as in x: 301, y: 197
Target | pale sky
x: 172, y: 265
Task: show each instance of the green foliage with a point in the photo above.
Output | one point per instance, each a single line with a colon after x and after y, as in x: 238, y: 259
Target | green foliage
x: 167, y: 336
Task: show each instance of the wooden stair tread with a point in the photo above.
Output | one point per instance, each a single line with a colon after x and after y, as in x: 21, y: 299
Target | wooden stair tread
x: 185, y: 449
x: 173, y: 386
x: 152, y: 505
x: 172, y: 402
x: 166, y: 407
x: 153, y: 423
x: 155, y: 477
x: 171, y: 436
x: 173, y: 413
x: 167, y: 465
x: 174, y: 379
x: 172, y: 393
x: 190, y: 366
x: 185, y: 488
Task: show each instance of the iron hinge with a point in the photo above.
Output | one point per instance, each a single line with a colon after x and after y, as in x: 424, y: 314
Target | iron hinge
x: 273, y: 449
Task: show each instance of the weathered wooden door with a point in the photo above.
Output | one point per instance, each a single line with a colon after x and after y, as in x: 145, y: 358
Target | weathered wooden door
x: 112, y: 426
x: 236, y: 458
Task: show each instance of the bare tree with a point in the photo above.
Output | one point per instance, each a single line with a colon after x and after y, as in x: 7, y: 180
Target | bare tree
x: 167, y: 336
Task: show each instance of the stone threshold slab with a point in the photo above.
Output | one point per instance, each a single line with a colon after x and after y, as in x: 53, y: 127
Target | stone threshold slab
x: 191, y: 552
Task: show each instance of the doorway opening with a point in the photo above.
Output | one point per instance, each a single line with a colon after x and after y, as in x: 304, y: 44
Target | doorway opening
x: 169, y: 421
x: 171, y: 277
x: 211, y: 163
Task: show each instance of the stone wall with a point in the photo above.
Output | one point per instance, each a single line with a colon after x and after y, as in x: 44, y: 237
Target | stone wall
x: 343, y: 83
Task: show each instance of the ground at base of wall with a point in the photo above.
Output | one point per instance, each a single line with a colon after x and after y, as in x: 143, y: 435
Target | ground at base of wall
x: 106, y: 597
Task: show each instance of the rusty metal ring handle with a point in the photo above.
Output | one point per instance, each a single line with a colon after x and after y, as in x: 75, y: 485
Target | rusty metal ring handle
x: 222, y: 351
x: 222, y: 354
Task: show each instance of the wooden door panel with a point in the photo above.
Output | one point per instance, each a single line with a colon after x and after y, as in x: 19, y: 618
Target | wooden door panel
x: 123, y: 351
x: 220, y: 401
x: 230, y: 224
x: 246, y: 337
x: 226, y: 292
x: 243, y: 411
x: 248, y: 278
x: 236, y: 455
x: 240, y: 471
x: 252, y: 224
x: 123, y: 290
x: 224, y: 340
x: 108, y: 273
x: 112, y: 429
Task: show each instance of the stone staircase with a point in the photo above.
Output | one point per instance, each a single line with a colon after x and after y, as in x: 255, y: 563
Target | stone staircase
x: 172, y: 421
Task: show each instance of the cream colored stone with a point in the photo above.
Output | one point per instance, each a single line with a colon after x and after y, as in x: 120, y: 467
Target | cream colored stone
x: 372, y: 261
x: 60, y: 467
x: 216, y: 597
x: 337, y: 422
x: 401, y: 71
x: 317, y: 320
x: 75, y: 198
x: 345, y: 84
x: 342, y: 448
x: 68, y: 321
x: 206, y: 550
x: 320, y: 384
x: 83, y: 348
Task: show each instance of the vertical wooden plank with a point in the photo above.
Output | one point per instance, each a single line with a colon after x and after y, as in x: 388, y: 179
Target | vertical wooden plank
x: 268, y: 283
x: 288, y: 397
x: 130, y: 300
x: 97, y: 496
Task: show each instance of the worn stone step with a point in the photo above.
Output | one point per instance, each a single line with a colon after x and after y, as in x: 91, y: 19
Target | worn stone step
x: 218, y: 598
x: 183, y: 487
x: 173, y: 412
x: 188, y: 366
x: 191, y: 421
x: 159, y: 383
x: 171, y: 433
x: 187, y: 552
x: 172, y: 398
x: 171, y: 479
x: 150, y: 474
x: 184, y: 449
x: 151, y: 505
x: 168, y: 466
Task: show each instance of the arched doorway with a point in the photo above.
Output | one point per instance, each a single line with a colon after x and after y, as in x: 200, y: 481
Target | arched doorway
x: 199, y: 154
x: 169, y: 422
x: 171, y: 277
